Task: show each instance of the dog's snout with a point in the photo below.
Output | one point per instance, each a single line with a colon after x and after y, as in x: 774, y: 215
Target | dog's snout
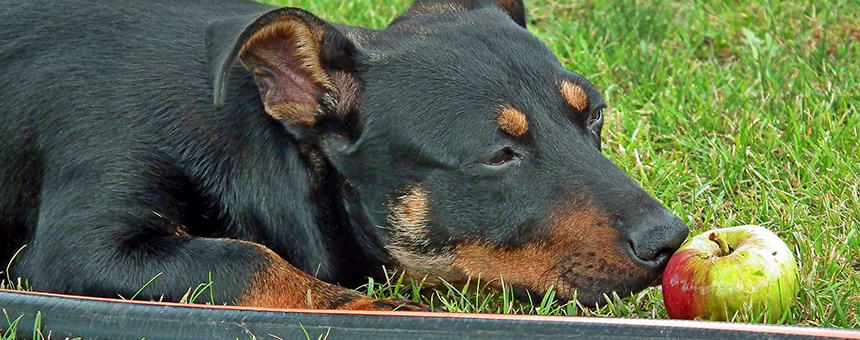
x: 654, y: 239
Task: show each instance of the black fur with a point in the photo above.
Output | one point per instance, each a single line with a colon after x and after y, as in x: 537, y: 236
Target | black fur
x: 108, y: 131
x: 116, y: 166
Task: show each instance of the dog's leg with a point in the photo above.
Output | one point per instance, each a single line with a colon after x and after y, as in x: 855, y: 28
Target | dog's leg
x: 107, y: 232
x: 244, y: 273
x: 279, y: 284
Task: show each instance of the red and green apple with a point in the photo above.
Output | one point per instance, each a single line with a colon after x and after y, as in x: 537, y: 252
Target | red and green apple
x: 721, y: 272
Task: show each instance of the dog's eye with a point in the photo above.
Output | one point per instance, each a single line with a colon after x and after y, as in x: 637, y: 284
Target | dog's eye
x: 501, y: 157
x: 595, y: 116
x: 594, y: 122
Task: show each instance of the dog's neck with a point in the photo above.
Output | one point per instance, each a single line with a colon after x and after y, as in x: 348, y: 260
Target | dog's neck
x: 359, y: 251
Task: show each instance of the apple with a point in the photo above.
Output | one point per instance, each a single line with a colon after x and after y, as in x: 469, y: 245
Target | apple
x: 718, y: 273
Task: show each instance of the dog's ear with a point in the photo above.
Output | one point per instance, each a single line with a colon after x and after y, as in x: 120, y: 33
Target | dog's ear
x: 514, y: 8
x: 303, y: 66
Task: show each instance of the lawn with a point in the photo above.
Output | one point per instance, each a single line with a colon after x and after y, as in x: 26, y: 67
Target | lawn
x: 729, y: 113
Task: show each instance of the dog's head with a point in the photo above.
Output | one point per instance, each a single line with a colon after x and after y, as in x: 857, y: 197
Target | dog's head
x: 473, y: 151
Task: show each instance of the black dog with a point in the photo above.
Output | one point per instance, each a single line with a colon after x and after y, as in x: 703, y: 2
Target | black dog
x: 450, y: 144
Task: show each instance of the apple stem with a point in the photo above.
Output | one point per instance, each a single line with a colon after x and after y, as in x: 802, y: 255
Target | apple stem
x: 724, y: 247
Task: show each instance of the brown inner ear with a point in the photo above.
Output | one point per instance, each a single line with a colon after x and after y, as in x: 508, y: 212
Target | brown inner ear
x: 284, y: 59
x: 515, y: 9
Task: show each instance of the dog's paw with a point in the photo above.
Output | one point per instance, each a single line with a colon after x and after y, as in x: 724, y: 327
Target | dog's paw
x: 390, y: 304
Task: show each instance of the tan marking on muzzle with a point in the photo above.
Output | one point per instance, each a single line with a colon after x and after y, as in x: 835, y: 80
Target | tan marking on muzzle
x: 574, y: 95
x: 512, y: 121
x: 579, y: 243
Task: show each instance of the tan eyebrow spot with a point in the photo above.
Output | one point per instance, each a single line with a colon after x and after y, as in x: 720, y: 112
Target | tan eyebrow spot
x: 512, y: 121
x: 574, y: 95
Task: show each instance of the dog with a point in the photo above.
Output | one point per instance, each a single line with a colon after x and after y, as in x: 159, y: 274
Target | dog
x: 285, y: 158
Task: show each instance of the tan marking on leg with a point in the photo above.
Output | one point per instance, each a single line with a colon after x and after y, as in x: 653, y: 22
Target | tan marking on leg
x: 280, y: 285
x: 574, y: 95
x: 512, y: 121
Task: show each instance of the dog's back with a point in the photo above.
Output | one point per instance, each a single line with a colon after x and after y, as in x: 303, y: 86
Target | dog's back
x: 85, y: 81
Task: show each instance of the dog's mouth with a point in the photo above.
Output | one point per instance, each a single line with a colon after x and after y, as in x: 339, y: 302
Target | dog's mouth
x: 590, y: 277
x: 591, y: 292
x: 588, y: 290
x: 586, y: 297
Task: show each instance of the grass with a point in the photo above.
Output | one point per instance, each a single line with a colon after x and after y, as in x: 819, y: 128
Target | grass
x: 728, y: 112
x: 10, y: 332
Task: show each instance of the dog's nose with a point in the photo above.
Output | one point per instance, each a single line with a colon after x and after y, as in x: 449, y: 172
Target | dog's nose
x: 655, y: 238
